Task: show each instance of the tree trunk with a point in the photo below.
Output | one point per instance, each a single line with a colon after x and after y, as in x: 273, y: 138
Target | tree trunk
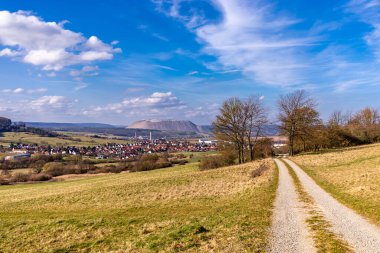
x: 251, y: 151
x: 291, y: 145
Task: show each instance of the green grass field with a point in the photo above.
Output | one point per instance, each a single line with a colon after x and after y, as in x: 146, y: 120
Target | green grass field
x: 351, y: 175
x: 168, y: 210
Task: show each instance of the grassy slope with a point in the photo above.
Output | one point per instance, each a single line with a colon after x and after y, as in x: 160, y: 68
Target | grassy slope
x: 14, y: 137
x: 352, y: 176
x: 164, y: 210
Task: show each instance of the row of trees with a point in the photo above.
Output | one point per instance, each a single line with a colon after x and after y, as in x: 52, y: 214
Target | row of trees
x: 241, y: 122
x: 306, y: 131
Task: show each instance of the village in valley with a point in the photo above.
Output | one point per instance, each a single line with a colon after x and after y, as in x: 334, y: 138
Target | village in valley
x: 131, y: 148
x: 110, y: 150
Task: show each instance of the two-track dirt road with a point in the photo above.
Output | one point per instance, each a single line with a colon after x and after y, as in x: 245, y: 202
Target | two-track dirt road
x: 289, y: 229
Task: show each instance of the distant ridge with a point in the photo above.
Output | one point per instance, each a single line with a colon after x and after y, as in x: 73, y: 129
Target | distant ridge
x: 169, y: 125
x: 52, y: 125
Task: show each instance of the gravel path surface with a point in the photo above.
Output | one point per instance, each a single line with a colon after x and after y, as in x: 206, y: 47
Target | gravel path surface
x: 358, y: 232
x: 289, y: 232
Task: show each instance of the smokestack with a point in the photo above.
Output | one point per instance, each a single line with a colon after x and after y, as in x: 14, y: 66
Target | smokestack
x: 150, y: 136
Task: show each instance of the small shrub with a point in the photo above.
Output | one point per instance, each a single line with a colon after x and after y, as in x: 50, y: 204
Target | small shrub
x: 55, y: 169
x: 180, y: 156
x: 260, y: 170
x: 109, y: 169
x: 179, y: 162
x: 216, y: 161
x: 4, y: 181
x: 40, y: 177
x: 151, y: 162
x: 211, y: 162
x: 38, y: 166
x: 144, y: 165
x: 19, y: 177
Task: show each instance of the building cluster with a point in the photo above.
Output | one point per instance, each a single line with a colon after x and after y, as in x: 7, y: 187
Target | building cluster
x: 113, y: 150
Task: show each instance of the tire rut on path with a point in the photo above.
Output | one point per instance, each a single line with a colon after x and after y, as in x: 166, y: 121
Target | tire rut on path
x: 358, y: 232
x: 289, y: 232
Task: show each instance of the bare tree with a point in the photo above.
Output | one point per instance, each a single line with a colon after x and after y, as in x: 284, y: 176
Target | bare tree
x: 297, y: 111
x: 365, y: 125
x: 240, y: 122
x: 337, y: 118
x: 255, y: 115
x: 229, y: 125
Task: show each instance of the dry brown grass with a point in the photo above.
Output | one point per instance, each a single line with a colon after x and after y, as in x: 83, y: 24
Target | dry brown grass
x: 351, y: 175
x: 168, y: 210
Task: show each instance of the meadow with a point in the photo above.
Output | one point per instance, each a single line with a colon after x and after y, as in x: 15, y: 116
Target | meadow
x: 168, y: 210
x: 77, y: 139
x: 350, y: 175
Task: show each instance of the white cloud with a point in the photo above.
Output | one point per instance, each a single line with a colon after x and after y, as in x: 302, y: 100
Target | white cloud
x: 193, y: 73
x: 158, y: 103
x: 165, y: 67
x: 81, y: 87
x: 51, y: 103
x: 21, y: 90
x: 47, y: 44
x: 85, y: 71
x: 8, y: 52
x: 18, y: 90
x: 42, y: 108
x: 160, y: 37
x: 157, y: 100
x: 173, y: 8
x: 250, y: 37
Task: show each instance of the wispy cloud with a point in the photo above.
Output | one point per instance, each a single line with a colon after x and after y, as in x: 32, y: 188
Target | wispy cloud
x: 81, y: 86
x: 368, y: 11
x: 22, y: 90
x: 193, y: 73
x: 160, y: 37
x: 165, y: 67
x: 84, y: 71
x: 250, y: 37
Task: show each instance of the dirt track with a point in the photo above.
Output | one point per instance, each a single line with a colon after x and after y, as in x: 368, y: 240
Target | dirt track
x: 289, y: 231
x: 358, y: 232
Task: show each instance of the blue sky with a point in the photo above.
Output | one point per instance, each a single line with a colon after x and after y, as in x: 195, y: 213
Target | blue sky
x: 118, y: 61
